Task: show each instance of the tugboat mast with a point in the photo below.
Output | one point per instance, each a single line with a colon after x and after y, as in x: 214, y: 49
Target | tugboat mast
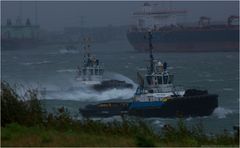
x: 86, y: 47
x: 151, y: 54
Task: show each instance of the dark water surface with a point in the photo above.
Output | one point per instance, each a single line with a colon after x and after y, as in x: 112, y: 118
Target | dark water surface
x: 54, y: 68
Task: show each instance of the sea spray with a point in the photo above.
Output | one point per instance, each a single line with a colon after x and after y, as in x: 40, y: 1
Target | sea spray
x: 75, y: 90
x: 117, y: 76
x: 221, y: 112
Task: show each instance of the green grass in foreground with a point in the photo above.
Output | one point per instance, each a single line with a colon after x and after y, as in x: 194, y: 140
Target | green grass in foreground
x: 16, y: 135
x: 95, y: 133
x: 25, y: 123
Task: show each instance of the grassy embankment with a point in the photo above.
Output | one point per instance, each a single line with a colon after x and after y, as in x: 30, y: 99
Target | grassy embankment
x: 25, y: 123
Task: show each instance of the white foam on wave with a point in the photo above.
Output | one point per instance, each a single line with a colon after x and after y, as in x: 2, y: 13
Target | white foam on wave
x: 85, y: 94
x: 75, y: 90
x: 68, y: 51
x: 36, y: 63
x: 22, y: 88
x: 189, y: 118
x: 221, y: 112
x: 66, y: 70
x: 158, y: 123
x: 117, y: 76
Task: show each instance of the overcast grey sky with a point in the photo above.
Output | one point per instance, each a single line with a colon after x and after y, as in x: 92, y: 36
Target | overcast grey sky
x: 56, y: 15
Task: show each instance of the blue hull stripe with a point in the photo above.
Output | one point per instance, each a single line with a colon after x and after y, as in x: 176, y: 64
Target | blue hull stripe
x: 139, y: 105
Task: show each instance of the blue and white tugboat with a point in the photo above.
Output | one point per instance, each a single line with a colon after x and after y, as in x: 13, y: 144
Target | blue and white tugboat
x: 156, y: 96
x: 92, y: 71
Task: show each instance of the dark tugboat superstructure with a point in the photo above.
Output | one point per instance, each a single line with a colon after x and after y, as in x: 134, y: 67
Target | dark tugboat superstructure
x: 156, y: 96
x: 160, y: 98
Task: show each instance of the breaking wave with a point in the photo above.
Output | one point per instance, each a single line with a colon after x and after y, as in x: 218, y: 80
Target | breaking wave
x: 117, y: 76
x: 80, y: 92
x: 158, y: 123
x: 71, y: 89
x: 84, y: 94
x: 221, y: 112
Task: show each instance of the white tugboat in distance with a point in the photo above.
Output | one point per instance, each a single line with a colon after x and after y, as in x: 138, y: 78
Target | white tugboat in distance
x: 92, y: 72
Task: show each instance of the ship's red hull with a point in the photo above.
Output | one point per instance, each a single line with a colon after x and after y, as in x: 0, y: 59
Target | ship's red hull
x: 189, y: 47
x: 225, y: 39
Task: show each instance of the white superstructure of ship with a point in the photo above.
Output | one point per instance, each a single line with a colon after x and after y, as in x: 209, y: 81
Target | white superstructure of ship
x: 91, y: 72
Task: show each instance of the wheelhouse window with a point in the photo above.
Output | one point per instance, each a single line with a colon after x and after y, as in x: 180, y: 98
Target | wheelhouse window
x: 165, y: 79
x: 170, y: 81
x: 138, y: 91
x: 159, y: 79
x: 149, y: 80
x: 150, y: 91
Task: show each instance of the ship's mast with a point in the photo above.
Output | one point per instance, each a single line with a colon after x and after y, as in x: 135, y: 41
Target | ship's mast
x: 150, y: 52
x: 86, y: 47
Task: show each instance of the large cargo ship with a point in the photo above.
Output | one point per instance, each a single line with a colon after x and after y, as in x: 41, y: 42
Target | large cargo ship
x: 171, y: 35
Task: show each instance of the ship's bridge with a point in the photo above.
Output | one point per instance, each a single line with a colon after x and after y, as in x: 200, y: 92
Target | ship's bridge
x: 159, y: 80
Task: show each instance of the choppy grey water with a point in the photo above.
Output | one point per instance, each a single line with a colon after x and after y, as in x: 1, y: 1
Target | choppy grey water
x: 54, y: 68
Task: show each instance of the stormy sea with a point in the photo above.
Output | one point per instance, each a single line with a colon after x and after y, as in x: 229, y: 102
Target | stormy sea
x: 52, y: 70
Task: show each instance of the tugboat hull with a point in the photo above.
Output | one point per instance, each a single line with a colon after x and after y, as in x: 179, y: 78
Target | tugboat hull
x: 177, y: 107
x: 105, y: 109
x: 184, y: 106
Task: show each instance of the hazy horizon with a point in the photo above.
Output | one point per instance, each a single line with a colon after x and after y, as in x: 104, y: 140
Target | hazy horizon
x: 55, y: 15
